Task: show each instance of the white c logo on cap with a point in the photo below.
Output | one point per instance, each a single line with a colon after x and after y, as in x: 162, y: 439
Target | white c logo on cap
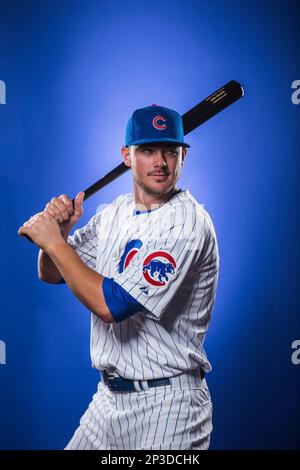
x: 160, y: 127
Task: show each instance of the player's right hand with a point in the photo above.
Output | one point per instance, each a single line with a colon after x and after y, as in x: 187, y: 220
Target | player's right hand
x: 61, y: 209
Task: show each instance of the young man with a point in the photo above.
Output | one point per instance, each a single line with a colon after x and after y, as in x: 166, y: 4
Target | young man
x: 147, y: 267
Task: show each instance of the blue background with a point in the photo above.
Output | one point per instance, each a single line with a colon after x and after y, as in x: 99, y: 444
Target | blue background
x: 74, y: 71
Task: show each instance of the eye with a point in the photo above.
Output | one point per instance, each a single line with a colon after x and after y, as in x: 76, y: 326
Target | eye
x: 172, y: 152
x: 147, y: 151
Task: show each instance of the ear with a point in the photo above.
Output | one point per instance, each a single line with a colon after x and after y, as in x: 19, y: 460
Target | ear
x: 126, y: 156
x: 183, y: 155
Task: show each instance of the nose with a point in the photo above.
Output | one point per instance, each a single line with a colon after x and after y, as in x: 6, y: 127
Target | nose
x: 159, y: 160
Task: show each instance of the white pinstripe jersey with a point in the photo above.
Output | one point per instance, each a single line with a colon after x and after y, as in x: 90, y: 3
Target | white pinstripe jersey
x: 167, y: 259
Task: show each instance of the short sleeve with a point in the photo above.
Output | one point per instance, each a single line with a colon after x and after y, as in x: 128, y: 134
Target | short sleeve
x: 161, y: 265
x: 120, y: 304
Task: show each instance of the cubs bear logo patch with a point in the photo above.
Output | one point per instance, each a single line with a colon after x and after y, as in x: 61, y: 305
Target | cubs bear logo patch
x: 158, y: 268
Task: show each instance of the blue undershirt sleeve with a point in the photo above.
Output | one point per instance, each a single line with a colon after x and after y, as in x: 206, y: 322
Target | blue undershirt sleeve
x: 121, y: 304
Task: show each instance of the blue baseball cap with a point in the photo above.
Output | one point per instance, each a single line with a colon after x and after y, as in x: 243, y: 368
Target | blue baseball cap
x: 154, y: 124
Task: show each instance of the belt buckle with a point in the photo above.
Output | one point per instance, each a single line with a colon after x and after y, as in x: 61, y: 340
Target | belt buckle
x: 118, y: 384
x: 107, y: 380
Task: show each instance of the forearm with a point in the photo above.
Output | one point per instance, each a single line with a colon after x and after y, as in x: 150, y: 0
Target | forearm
x: 83, y: 281
x: 47, y: 271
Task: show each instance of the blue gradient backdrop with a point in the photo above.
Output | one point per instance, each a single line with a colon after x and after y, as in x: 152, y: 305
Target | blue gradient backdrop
x: 74, y: 72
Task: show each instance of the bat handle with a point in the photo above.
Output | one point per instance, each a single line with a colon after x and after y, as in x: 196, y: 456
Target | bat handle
x: 28, y: 238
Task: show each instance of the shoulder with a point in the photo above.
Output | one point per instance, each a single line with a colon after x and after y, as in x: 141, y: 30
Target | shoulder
x: 106, y: 211
x: 118, y: 205
x: 189, y: 213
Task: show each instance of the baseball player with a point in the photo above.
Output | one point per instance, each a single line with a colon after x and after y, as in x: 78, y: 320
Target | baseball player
x: 146, y: 266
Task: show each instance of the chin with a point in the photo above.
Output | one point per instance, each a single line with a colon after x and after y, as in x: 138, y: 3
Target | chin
x: 158, y: 189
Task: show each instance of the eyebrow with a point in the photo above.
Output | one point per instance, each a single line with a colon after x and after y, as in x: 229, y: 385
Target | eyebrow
x: 146, y: 146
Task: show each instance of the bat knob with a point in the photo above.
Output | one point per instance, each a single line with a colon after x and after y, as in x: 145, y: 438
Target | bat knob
x: 28, y: 238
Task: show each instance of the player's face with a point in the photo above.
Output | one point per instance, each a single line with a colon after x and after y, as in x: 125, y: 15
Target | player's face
x: 156, y: 167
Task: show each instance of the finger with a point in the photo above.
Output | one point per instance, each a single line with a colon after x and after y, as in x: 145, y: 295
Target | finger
x: 34, y: 219
x: 64, y: 203
x: 35, y: 215
x: 60, y: 206
x: 53, y: 212
x: 68, y: 203
x: 47, y: 216
x: 28, y: 223
x: 23, y: 231
x: 78, y: 204
x: 60, y: 215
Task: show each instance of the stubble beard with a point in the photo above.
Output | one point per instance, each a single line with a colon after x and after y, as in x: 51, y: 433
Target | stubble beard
x: 152, y: 192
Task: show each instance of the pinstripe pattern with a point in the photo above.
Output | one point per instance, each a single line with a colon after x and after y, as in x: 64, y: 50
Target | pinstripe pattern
x: 167, y: 336
x: 164, y: 339
x: 161, y: 418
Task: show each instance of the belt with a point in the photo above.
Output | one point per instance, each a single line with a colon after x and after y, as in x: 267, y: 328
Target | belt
x: 119, y: 384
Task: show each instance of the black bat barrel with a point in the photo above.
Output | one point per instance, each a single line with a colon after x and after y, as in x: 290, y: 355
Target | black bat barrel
x: 212, y: 105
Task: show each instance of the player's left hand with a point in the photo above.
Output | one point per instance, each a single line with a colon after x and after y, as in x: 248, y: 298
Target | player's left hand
x: 43, y: 230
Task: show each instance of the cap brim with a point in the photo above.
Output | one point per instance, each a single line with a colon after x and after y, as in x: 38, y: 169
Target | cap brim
x: 148, y: 141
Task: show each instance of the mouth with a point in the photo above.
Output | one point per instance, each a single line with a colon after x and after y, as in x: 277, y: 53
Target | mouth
x: 159, y: 176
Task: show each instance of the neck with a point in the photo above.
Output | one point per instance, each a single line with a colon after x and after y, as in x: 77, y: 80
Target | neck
x: 146, y: 201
